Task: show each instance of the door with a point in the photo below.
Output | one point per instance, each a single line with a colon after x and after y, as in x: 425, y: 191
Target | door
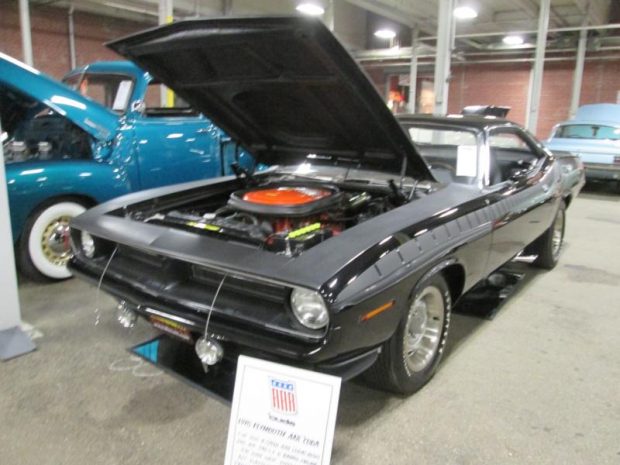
x: 174, y: 144
x: 520, y: 189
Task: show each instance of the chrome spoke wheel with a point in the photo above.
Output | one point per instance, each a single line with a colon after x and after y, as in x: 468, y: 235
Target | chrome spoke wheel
x: 558, y: 233
x: 55, y: 241
x: 423, y: 329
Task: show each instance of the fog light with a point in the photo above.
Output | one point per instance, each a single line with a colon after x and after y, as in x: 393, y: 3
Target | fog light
x: 209, y: 351
x: 125, y: 316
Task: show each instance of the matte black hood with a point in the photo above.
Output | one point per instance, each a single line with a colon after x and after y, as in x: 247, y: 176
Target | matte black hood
x: 283, y: 87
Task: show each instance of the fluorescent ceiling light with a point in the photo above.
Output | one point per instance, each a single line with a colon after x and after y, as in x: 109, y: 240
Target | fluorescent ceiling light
x: 465, y: 12
x: 311, y: 9
x: 513, y: 40
x: 385, y: 34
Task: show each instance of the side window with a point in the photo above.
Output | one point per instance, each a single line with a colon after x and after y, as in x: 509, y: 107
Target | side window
x: 110, y: 90
x: 510, y: 154
x: 174, y: 106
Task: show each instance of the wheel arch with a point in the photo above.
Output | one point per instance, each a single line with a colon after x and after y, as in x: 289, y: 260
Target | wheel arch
x: 454, y: 274
x: 83, y: 199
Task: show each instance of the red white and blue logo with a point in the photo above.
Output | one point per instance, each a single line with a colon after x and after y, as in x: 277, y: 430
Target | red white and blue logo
x: 283, y: 397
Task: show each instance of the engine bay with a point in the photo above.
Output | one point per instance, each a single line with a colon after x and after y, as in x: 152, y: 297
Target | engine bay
x: 283, y: 217
x: 46, y: 137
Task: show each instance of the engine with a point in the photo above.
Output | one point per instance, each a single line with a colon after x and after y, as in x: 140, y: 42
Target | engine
x: 46, y: 137
x: 286, y: 219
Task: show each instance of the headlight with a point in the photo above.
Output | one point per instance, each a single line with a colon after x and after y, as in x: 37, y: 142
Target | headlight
x: 88, y: 244
x: 309, y: 308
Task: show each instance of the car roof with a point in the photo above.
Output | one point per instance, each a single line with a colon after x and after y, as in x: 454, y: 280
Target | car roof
x: 470, y: 121
x: 585, y: 122
x: 119, y: 66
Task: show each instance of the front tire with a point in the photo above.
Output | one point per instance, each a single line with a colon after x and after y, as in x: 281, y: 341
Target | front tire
x: 549, y: 245
x: 43, y: 249
x: 410, y: 357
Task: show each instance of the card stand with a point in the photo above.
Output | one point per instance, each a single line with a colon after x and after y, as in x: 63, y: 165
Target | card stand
x: 179, y: 359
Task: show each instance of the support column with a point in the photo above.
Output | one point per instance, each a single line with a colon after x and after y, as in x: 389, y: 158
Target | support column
x: 13, y: 341
x: 413, y: 71
x: 72, y: 54
x: 443, y: 53
x: 578, y: 76
x: 539, y: 65
x: 328, y: 17
x: 227, y: 6
x: 24, y: 23
x: 166, y: 16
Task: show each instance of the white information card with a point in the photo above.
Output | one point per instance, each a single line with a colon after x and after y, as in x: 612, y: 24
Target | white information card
x: 467, y: 160
x: 281, y: 415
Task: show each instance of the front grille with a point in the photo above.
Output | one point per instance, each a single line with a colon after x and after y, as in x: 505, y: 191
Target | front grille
x: 155, y: 281
x: 239, y: 284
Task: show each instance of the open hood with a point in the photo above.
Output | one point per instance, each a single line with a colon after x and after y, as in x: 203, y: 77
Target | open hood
x: 24, y: 89
x: 284, y: 87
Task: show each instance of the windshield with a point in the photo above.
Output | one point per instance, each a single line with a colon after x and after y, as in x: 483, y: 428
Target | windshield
x: 587, y: 131
x: 110, y: 90
x: 451, y: 153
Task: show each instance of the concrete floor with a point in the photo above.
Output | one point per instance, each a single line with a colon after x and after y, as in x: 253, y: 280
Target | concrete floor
x: 540, y: 384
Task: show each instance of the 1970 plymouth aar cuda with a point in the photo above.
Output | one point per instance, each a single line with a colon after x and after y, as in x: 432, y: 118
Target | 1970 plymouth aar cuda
x: 66, y: 151
x: 346, y: 255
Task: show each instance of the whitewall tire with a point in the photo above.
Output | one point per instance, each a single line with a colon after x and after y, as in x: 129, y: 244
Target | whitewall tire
x: 44, y: 247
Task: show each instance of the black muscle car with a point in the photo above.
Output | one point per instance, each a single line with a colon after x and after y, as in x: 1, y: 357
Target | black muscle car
x: 348, y: 252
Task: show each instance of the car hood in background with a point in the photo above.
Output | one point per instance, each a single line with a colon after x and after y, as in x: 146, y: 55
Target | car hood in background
x: 283, y: 87
x: 24, y: 89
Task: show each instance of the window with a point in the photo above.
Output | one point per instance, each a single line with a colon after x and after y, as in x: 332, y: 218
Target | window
x: 507, y: 140
x: 510, y: 154
x: 588, y: 131
x: 111, y: 90
x: 176, y: 106
x: 451, y: 153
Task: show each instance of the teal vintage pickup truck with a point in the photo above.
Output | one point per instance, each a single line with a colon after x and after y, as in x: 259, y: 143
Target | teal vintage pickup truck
x: 100, y: 134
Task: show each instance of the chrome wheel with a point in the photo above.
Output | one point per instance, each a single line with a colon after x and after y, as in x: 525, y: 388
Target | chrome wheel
x: 55, y: 241
x: 558, y: 233
x: 423, y: 329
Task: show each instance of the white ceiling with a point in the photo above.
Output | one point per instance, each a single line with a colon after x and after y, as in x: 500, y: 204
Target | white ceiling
x: 350, y: 16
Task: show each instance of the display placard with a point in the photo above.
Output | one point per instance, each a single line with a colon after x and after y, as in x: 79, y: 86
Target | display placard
x: 281, y: 415
x: 467, y: 160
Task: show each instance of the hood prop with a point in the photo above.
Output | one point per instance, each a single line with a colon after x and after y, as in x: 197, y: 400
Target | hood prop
x: 243, y: 174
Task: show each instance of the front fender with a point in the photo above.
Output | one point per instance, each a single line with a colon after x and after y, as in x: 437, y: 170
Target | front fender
x: 30, y: 184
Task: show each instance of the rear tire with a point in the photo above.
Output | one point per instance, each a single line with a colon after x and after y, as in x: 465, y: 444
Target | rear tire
x: 43, y: 249
x: 410, y: 357
x: 549, y: 245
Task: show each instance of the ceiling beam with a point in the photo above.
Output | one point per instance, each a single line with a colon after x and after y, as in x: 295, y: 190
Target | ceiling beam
x: 532, y: 10
x: 595, y: 12
x: 401, y: 11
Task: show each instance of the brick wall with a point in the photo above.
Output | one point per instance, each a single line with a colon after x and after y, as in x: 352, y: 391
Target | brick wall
x: 50, y: 39
x: 495, y: 84
x: 507, y: 84
x: 498, y: 84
